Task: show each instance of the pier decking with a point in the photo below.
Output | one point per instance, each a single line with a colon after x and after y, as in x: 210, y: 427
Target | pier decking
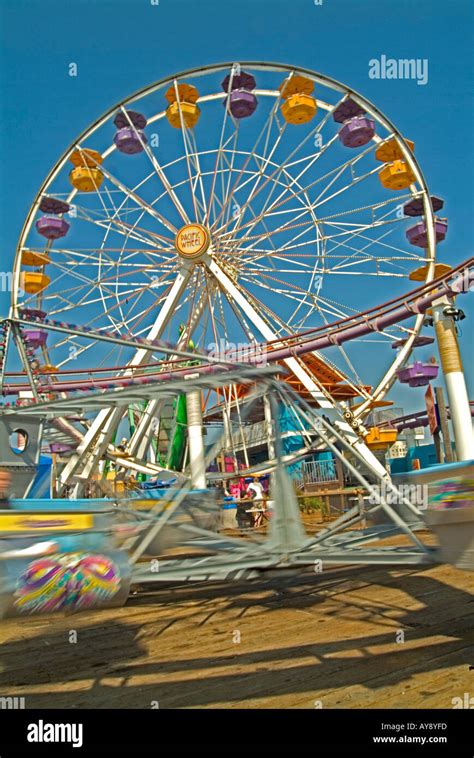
x: 332, y: 641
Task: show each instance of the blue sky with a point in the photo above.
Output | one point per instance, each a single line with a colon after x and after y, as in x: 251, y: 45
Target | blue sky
x: 122, y: 45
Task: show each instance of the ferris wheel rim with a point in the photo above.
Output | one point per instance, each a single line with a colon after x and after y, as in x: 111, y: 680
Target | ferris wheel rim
x: 214, y: 68
x: 325, y: 80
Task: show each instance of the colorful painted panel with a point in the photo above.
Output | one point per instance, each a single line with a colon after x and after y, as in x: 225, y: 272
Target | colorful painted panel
x: 74, y: 581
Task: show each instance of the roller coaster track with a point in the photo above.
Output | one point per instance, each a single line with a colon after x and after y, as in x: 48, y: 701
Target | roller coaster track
x: 457, y: 281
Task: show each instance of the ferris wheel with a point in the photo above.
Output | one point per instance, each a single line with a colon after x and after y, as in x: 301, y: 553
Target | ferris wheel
x: 229, y: 208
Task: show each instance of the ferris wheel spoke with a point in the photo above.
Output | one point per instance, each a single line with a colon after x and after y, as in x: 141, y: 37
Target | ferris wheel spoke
x: 103, y: 281
x: 293, y: 295
x: 199, y: 175
x: 130, y: 193
x: 336, y: 310
x: 360, y: 255
x: 243, y: 298
x: 112, y: 221
x: 124, y: 229
x: 187, y: 153
x: 231, y: 237
x: 227, y: 233
x: 239, y: 316
x: 82, y: 256
x: 133, y: 321
x: 130, y: 268
x: 363, y: 251
x: 280, y: 200
x: 104, y: 258
x: 158, y: 169
x: 80, y: 301
x: 231, y: 192
x: 396, y: 200
x: 83, y: 302
x: 333, y: 308
x: 226, y: 178
x: 269, y: 233
x: 131, y: 229
x: 284, y: 257
x: 284, y: 227
x: 134, y: 290
x: 219, y: 154
x: 356, y: 229
x: 209, y: 314
x: 332, y: 176
x: 311, y: 160
x: 189, y: 303
x: 272, y: 318
x: 261, y: 172
x: 355, y: 181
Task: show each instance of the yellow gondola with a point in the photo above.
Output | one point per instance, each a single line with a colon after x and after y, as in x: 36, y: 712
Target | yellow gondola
x: 86, y: 157
x: 390, y: 150
x: 299, y: 109
x: 33, y: 282
x: 299, y: 106
x: 380, y: 439
x: 420, y: 274
x: 30, y: 258
x: 86, y: 176
x: 86, y: 179
x: 397, y: 175
x: 182, y: 105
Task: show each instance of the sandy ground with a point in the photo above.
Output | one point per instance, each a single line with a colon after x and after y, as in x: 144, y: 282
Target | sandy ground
x: 352, y: 637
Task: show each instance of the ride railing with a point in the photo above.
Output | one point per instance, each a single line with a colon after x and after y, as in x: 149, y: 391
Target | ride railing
x: 317, y: 472
x: 253, y: 435
x: 250, y: 435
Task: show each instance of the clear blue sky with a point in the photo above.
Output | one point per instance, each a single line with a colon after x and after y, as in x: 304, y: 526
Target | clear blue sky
x: 122, y: 45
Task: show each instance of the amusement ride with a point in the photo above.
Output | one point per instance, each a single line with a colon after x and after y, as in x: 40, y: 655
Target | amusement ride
x: 232, y: 246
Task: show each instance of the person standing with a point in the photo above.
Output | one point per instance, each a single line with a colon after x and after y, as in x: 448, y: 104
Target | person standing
x: 255, y: 490
x: 256, y: 493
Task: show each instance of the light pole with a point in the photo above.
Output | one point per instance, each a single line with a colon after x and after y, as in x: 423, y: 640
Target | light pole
x: 444, y: 314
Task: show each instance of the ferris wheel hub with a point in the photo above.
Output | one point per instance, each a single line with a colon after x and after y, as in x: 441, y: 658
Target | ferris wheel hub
x: 192, y: 241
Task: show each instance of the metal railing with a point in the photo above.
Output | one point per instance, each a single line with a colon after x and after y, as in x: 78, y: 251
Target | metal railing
x: 254, y: 435
x: 317, y: 472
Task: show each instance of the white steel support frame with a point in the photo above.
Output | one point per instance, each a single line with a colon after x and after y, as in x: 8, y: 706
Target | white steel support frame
x: 454, y: 378
x: 141, y: 438
x: 88, y: 454
x: 300, y: 372
x: 286, y: 545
